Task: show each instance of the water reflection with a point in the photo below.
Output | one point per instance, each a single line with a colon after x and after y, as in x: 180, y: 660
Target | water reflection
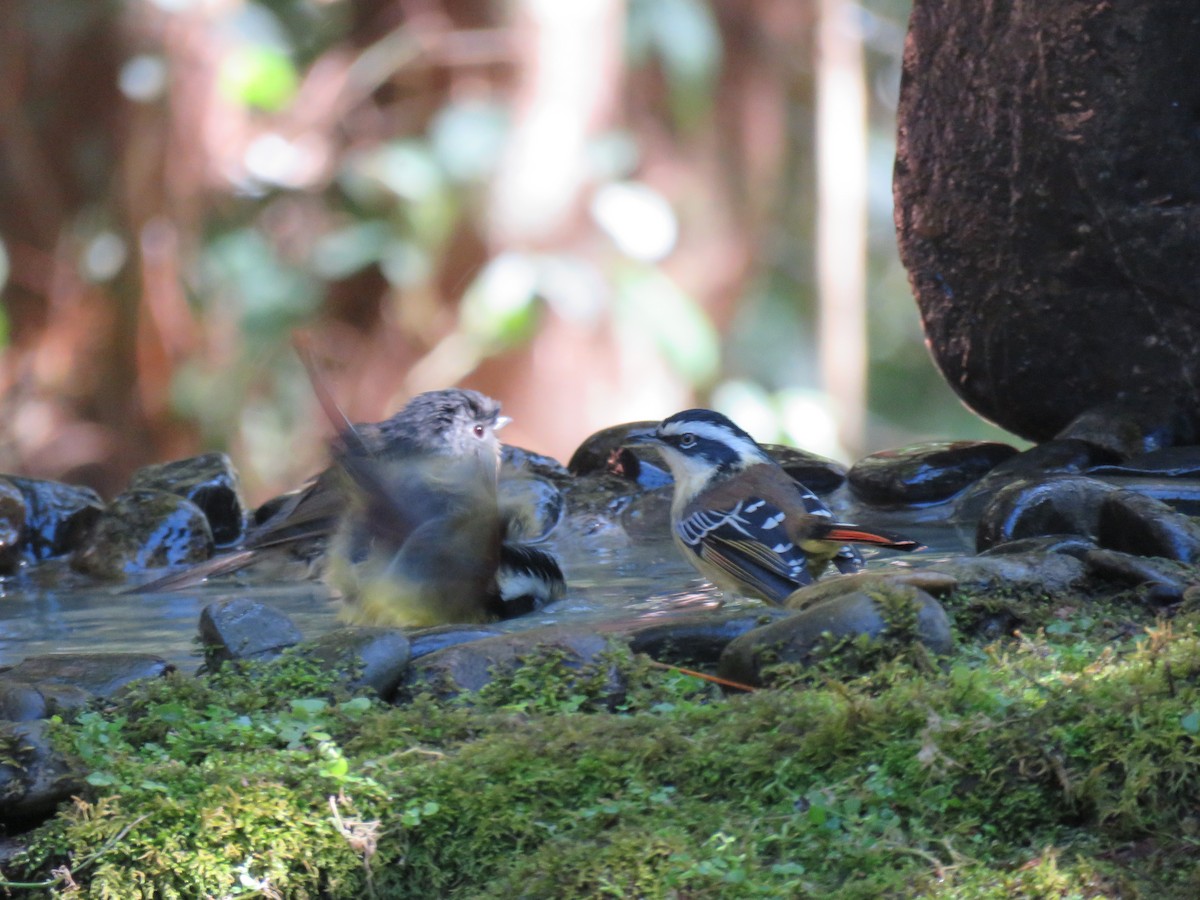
x: 610, y: 579
x: 34, y: 621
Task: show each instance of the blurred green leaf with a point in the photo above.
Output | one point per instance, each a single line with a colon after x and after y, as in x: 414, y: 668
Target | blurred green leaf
x: 468, y: 139
x: 499, y: 309
x: 402, y: 169
x: 405, y: 176
x: 348, y: 250
x: 404, y: 264
x: 683, y: 34
x: 259, y: 77
x: 649, y: 301
x: 244, y: 270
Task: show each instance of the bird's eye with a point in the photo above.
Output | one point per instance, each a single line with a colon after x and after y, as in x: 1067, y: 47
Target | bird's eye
x: 687, y: 440
x: 480, y: 431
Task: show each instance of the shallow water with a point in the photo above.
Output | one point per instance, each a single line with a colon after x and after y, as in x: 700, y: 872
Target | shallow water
x: 610, y: 577
x: 80, y: 619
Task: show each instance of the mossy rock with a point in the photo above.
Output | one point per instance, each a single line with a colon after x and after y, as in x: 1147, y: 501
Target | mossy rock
x: 853, y: 629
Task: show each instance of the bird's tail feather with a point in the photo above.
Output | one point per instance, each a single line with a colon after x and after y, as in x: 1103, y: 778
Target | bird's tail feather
x: 853, y: 534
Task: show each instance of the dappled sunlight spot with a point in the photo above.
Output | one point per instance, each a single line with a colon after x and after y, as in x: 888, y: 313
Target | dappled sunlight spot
x: 143, y: 77
x: 295, y: 163
x: 638, y: 219
x: 104, y: 256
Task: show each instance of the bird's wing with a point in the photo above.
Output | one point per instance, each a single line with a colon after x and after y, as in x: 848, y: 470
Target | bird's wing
x: 527, y: 578
x: 308, y: 512
x: 746, y: 541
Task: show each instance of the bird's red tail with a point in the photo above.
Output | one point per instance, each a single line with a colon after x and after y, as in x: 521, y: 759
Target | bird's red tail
x: 853, y: 534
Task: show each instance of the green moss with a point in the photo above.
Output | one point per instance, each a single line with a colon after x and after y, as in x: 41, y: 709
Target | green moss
x: 1059, y: 762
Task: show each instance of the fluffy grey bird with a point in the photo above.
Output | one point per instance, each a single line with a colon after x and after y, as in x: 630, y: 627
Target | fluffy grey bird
x: 406, y: 523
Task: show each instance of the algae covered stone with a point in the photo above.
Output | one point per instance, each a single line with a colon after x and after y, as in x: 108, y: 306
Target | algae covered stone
x: 888, y: 619
x: 145, y: 529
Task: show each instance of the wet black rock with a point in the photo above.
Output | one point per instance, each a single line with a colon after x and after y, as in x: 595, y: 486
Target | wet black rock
x: 1050, y: 458
x: 1133, y: 523
x: 934, y: 583
x: 470, y: 666
x: 1090, y: 509
x: 1163, y: 581
x: 1171, y: 475
x: 144, y: 529
x: 1131, y: 427
x: 924, y: 473
x: 648, y: 516
x: 58, y: 517
x: 1023, y: 573
x: 533, y: 507
x: 244, y: 629
x: 518, y: 462
x: 424, y: 641
x: 21, y: 701
x: 361, y: 657
x: 1059, y: 504
x: 1070, y: 544
x: 1169, y: 462
x: 1183, y: 494
x: 34, y: 778
x: 209, y: 481
x: 12, y: 526
x: 605, y: 451
x: 697, y: 641
x: 100, y: 674
x: 595, y: 505
x: 819, y: 474
x: 896, y: 613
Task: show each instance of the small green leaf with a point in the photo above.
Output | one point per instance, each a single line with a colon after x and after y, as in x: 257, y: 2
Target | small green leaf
x: 468, y: 138
x: 341, y: 253
x: 651, y: 303
x: 309, y: 706
x: 259, y: 77
x: 337, y: 767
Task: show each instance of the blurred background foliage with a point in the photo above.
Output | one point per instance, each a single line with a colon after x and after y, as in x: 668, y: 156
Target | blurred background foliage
x: 596, y: 210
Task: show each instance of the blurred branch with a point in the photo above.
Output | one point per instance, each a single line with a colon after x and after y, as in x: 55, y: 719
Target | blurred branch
x: 26, y: 159
x: 842, y: 217
x: 566, y: 93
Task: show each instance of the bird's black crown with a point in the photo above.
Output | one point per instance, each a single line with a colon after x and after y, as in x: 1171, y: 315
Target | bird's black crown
x: 704, y: 434
x: 678, y: 423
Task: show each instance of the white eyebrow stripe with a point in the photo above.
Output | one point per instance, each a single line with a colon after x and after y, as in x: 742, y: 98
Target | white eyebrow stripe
x: 718, y: 434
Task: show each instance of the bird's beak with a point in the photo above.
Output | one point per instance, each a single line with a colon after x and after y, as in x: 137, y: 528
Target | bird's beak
x: 646, y: 438
x: 501, y: 421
